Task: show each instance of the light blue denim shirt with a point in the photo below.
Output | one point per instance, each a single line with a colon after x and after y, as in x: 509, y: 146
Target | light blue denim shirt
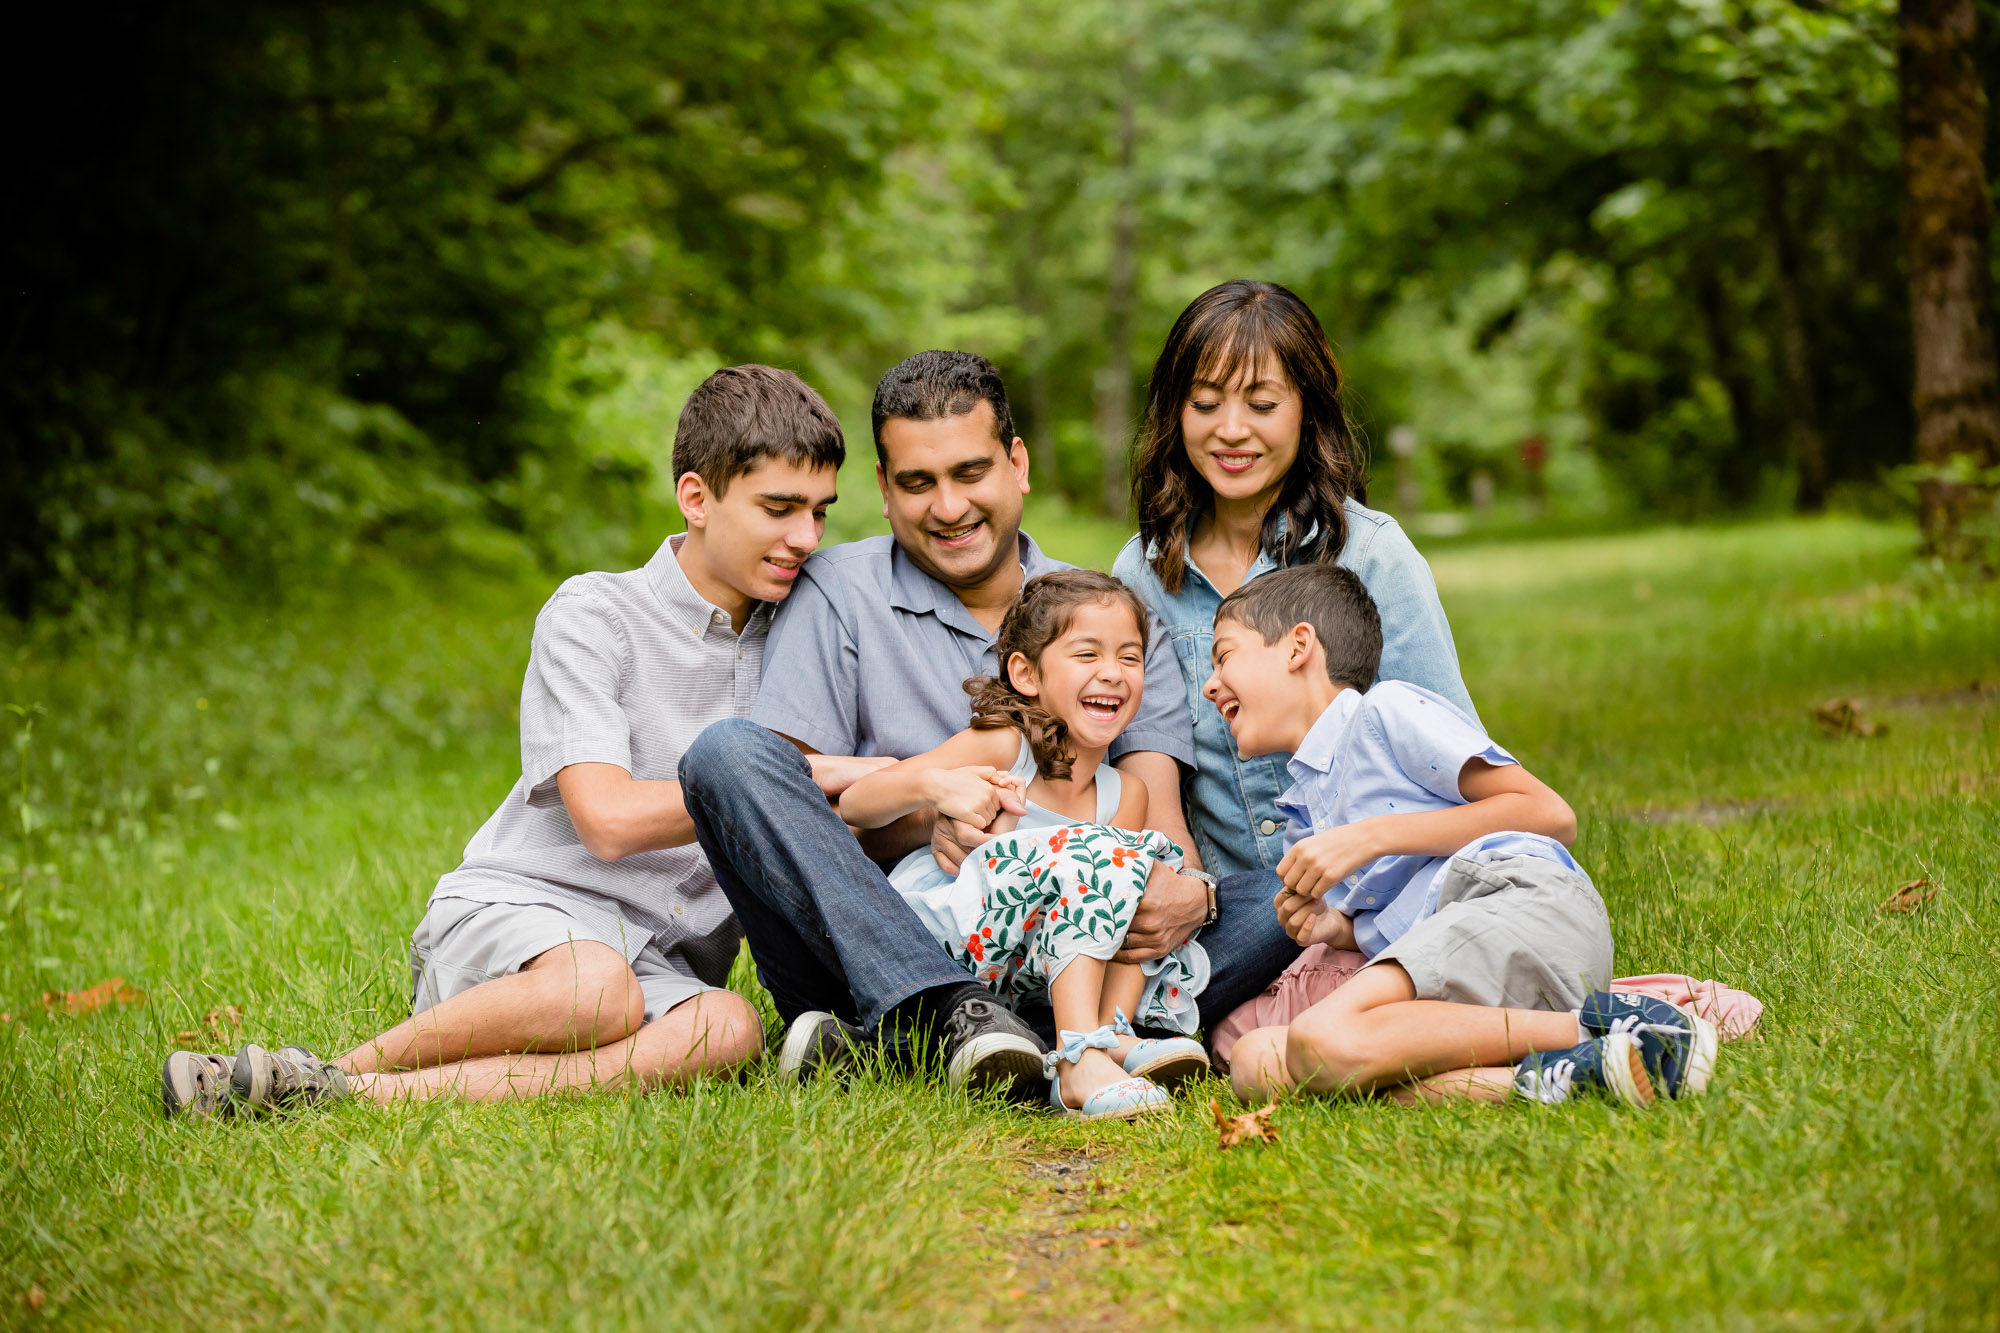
x: 1398, y: 749
x: 1232, y: 803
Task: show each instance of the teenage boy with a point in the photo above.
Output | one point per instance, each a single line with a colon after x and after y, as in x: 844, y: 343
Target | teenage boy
x: 1416, y: 840
x: 583, y: 941
x: 869, y: 658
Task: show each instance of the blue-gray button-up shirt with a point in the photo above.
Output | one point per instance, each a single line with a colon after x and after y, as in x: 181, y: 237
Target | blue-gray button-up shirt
x: 1396, y: 750
x: 1232, y: 803
x: 870, y: 654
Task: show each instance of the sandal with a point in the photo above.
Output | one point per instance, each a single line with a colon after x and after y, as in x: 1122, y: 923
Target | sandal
x: 1127, y: 1099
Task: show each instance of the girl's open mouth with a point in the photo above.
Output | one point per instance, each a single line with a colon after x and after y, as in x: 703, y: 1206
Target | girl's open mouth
x: 1101, y: 706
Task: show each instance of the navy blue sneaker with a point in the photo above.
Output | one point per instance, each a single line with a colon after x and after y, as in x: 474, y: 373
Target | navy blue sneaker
x: 1627, y: 1066
x: 1691, y: 1041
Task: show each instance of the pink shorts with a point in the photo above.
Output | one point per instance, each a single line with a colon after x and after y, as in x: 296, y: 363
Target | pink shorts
x: 1320, y: 971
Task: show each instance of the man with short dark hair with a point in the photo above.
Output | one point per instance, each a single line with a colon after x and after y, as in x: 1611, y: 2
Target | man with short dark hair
x: 582, y: 942
x: 869, y: 658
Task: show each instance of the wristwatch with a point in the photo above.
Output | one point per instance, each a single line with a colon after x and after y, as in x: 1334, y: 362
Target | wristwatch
x: 1208, y: 880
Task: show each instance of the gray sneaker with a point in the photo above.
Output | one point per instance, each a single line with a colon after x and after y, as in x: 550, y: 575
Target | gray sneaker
x: 986, y: 1046
x: 193, y: 1083
x: 289, y: 1076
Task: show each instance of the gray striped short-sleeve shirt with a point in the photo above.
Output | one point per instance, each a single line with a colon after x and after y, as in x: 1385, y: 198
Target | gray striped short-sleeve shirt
x: 626, y: 669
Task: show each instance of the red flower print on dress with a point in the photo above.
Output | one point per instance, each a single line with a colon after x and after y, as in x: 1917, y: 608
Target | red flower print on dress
x: 987, y: 931
x: 976, y: 947
x: 1057, y: 841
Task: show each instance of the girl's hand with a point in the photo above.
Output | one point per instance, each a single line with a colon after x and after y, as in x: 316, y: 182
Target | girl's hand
x: 976, y: 795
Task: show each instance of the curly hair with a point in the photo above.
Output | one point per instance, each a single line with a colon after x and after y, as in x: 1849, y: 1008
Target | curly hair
x: 1225, y: 329
x: 1041, y: 615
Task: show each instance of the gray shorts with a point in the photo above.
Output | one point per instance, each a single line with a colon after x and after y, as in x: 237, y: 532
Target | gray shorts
x: 461, y: 943
x: 1520, y: 932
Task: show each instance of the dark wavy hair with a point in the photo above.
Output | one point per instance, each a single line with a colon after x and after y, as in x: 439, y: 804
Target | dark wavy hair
x: 1223, y: 331
x: 1041, y: 615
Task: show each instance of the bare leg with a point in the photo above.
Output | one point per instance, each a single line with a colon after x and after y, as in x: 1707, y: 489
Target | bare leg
x: 1374, y: 1033
x: 1077, y: 996
x: 576, y: 995
x: 711, y: 1033
x: 1494, y: 1084
x: 1124, y: 983
x: 1257, y: 1069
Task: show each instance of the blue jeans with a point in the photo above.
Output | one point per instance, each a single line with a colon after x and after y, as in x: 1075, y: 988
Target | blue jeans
x: 829, y: 932
x: 825, y: 927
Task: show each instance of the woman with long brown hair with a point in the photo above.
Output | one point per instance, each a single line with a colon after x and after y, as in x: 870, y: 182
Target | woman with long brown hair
x: 1246, y: 463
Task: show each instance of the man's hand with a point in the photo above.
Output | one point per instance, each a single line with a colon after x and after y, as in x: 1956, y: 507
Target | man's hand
x: 1311, y: 921
x: 1317, y: 864
x: 1174, y: 907
x: 835, y: 773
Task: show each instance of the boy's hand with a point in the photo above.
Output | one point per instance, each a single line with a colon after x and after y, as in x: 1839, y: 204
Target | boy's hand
x: 1320, y: 862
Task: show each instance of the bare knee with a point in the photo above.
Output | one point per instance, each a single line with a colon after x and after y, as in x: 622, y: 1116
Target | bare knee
x: 591, y: 991
x: 1257, y: 1064
x: 715, y: 1032
x: 1330, y: 1052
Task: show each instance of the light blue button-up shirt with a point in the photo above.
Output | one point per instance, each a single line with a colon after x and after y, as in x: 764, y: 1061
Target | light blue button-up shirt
x: 1398, y: 749
x: 1231, y: 802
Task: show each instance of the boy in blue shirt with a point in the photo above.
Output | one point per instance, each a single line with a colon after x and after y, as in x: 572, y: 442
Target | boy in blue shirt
x: 1416, y: 840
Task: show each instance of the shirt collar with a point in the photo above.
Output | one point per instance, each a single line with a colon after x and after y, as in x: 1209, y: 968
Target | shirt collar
x: 1315, y: 754
x: 685, y: 607
x: 911, y: 589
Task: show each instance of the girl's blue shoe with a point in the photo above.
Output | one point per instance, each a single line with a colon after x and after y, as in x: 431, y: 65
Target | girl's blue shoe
x: 1127, y: 1099
x: 1168, y: 1061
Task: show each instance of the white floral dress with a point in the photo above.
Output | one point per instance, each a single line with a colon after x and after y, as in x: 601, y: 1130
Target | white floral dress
x: 1026, y: 902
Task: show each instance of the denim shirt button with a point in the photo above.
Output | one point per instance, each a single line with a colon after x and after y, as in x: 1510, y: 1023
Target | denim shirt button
x: 1371, y: 902
x: 1268, y: 827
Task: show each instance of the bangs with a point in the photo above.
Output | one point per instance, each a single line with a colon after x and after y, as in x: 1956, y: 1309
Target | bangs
x: 1237, y: 342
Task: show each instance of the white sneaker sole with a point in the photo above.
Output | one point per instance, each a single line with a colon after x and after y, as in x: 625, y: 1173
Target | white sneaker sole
x: 799, y: 1038
x: 1701, y: 1053
x: 994, y: 1059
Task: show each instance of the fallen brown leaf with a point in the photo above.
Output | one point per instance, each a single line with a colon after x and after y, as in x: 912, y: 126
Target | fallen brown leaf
x: 1909, y: 897
x: 224, y: 1021
x: 1016, y: 1293
x: 187, y: 1041
x: 1843, y: 717
x: 35, y: 1298
x: 1234, y: 1129
x: 1097, y: 1242
x: 114, y: 991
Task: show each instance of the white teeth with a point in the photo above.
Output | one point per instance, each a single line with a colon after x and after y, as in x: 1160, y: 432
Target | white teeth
x: 953, y: 534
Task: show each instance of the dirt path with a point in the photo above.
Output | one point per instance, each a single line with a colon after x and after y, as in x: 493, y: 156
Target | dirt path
x: 1051, y: 1255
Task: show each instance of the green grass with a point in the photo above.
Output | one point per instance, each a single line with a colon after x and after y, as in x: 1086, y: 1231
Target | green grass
x: 273, y: 848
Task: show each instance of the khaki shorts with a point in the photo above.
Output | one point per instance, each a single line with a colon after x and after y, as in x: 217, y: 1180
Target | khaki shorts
x: 461, y: 943
x: 1520, y: 932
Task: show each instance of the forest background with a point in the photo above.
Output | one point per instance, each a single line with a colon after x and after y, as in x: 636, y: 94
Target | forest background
x: 302, y: 286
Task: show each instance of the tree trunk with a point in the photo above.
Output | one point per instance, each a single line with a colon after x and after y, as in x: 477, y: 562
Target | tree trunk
x: 1946, y: 223
x: 1114, y: 380
x: 1801, y: 392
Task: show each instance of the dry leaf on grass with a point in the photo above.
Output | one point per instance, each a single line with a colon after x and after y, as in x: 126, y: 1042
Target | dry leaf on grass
x: 35, y: 1297
x: 224, y: 1021
x: 187, y: 1041
x: 1234, y: 1129
x: 114, y: 991
x: 1843, y: 717
x: 1909, y: 897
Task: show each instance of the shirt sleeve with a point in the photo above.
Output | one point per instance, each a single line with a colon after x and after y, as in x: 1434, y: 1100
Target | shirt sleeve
x: 1416, y: 638
x: 570, y: 712
x: 811, y: 685
x: 1430, y: 738
x: 1163, y: 723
